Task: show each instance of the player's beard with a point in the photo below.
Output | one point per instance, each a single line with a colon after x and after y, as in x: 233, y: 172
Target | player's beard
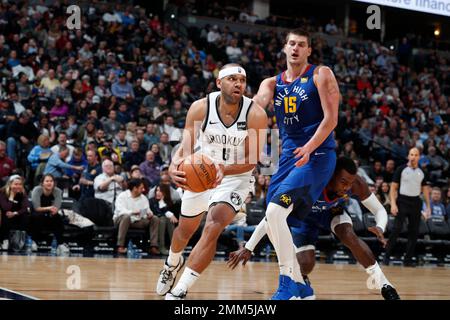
x: 231, y: 99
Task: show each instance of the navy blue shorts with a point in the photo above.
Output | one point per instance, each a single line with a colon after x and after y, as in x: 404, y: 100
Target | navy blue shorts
x: 306, y: 232
x: 301, y: 186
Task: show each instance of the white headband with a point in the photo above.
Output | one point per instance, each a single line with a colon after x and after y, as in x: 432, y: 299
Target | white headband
x: 14, y: 177
x: 231, y: 70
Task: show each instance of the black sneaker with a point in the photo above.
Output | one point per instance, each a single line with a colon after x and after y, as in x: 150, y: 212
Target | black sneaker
x: 389, y: 293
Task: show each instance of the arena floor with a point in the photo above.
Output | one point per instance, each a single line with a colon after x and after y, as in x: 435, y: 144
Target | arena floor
x: 41, y: 277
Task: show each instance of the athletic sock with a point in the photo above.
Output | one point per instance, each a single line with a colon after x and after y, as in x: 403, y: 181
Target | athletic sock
x: 186, y: 281
x: 174, y: 258
x: 281, y: 238
x: 378, y: 279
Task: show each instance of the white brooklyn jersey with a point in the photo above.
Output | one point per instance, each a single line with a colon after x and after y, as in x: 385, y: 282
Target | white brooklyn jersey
x: 224, y: 144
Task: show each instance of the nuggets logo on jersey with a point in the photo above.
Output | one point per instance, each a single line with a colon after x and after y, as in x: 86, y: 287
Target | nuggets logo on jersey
x: 286, y: 199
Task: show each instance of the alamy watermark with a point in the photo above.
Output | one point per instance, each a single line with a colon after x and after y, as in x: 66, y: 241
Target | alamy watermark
x: 374, y: 20
x: 74, y: 20
x: 73, y: 281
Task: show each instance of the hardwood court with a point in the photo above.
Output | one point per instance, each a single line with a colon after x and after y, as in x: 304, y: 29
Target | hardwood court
x: 121, y: 278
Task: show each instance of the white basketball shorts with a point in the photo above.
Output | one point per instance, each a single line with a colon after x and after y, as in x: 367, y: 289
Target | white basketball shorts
x: 232, y: 190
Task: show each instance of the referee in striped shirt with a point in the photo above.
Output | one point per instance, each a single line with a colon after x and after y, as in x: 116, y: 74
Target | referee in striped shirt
x: 408, y: 183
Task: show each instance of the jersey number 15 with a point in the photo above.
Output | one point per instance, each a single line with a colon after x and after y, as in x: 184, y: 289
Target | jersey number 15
x: 290, y: 104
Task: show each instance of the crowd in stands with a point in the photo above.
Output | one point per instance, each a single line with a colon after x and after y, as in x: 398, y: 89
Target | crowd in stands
x: 96, y: 112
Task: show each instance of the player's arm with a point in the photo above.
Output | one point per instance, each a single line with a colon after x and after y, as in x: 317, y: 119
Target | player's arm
x: 254, y: 143
x: 244, y: 254
x: 371, y: 202
x: 194, y: 119
x: 328, y: 89
x: 265, y: 92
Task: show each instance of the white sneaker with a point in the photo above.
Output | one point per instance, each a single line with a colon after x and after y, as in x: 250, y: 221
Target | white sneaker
x: 63, y: 249
x: 5, y: 245
x: 167, y: 277
x: 180, y: 295
x: 34, y: 246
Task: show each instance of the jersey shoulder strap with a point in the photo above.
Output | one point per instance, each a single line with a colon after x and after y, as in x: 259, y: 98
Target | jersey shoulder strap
x: 246, y: 105
x: 211, y: 113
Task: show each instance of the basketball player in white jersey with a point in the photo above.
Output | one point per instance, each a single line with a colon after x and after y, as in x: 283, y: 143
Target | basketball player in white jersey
x: 225, y: 121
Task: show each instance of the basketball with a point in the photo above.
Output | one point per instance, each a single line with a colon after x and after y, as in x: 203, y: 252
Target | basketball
x: 200, y: 172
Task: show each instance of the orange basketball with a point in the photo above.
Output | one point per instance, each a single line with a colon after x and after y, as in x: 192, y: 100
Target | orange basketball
x: 200, y: 172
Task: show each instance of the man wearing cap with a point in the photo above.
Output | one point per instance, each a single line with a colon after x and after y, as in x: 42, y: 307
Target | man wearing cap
x: 107, y: 151
x: 122, y: 88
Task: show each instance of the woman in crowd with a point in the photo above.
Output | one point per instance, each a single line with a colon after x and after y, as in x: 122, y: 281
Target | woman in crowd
x: 46, y: 199
x: 15, y: 208
x: 260, y: 189
x: 59, y: 110
x: 162, y: 206
x: 155, y: 149
x: 383, y: 196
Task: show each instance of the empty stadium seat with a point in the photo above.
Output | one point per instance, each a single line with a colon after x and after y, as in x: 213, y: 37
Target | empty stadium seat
x: 369, y: 220
x: 439, y: 228
x: 67, y: 203
x: 423, y: 229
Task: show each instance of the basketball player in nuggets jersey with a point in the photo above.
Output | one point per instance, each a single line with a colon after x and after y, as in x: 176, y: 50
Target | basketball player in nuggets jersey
x: 328, y: 214
x: 226, y: 120
x: 306, y: 100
